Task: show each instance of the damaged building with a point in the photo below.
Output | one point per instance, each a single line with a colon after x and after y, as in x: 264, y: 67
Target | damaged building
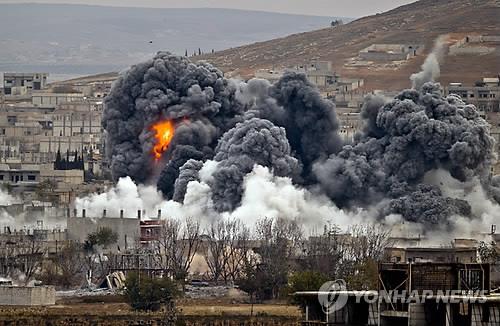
x: 414, y: 294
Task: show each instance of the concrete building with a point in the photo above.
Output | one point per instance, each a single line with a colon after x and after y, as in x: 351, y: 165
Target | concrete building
x: 79, y: 227
x: 19, y: 84
x: 349, y: 123
x: 411, y: 294
x: 475, y: 44
x: 390, y: 52
x: 485, y: 95
x: 320, y: 73
x: 34, y: 135
x: 27, y: 295
x: 31, y: 174
x: 460, y: 254
x: 48, y: 100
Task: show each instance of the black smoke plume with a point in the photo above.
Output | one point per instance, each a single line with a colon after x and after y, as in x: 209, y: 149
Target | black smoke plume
x: 403, y: 139
x: 289, y: 128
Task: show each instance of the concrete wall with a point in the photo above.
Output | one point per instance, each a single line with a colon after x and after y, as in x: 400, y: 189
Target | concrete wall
x: 383, y: 56
x: 54, y: 99
x: 78, y: 229
x: 74, y: 177
x: 27, y: 296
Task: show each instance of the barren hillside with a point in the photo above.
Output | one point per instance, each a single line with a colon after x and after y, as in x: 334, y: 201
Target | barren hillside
x: 419, y: 23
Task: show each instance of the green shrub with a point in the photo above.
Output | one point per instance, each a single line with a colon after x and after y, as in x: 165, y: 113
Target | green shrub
x: 146, y: 293
x: 305, y: 281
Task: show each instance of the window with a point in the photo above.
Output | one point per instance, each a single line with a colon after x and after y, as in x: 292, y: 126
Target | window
x: 1, y: 176
x: 31, y: 177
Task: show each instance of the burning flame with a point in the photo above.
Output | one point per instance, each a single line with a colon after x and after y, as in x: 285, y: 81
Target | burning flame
x: 164, y: 134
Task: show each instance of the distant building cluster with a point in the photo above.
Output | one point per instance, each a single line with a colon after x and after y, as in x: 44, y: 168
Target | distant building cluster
x: 50, y: 135
x: 22, y: 84
x: 476, y: 45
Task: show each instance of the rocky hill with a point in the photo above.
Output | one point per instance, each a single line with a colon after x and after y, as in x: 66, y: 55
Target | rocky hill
x: 80, y: 39
x: 417, y: 23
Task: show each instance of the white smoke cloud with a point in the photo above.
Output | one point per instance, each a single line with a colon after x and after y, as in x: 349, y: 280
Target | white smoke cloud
x: 6, y: 199
x: 265, y: 195
x: 484, y: 210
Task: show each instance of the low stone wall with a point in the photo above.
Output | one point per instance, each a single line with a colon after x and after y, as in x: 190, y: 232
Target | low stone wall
x: 27, y: 295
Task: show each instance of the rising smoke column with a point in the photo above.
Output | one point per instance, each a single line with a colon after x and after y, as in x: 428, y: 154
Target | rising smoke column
x: 430, y: 68
x: 295, y: 104
x: 416, y: 132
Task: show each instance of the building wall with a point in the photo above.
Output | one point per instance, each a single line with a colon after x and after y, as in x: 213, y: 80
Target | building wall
x: 31, y: 81
x: 78, y: 229
x: 27, y: 296
x: 471, y: 44
x: 485, y: 98
x: 74, y: 177
x: 442, y: 256
x: 54, y: 99
x: 19, y: 173
x: 390, y: 52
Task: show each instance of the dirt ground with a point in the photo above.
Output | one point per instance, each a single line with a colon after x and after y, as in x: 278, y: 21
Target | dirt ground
x: 111, y: 305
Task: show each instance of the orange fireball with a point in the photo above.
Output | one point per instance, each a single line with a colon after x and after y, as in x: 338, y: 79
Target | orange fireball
x: 164, y: 134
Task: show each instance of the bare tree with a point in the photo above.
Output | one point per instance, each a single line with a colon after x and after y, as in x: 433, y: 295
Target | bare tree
x: 227, y: 249
x: 279, y: 241
x: 216, y: 257
x: 352, y: 255
x: 238, y: 251
x: 177, y: 245
x: 28, y: 254
x: 70, y: 263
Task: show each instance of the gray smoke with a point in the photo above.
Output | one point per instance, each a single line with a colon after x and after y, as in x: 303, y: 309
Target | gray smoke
x: 203, y: 105
x: 252, y: 142
x: 197, y: 97
x: 187, y: 173
x: 288, y: 128
x: 426, y: 203
x: 430, y: 68
x: 416, y: 132
x: 295, y: 104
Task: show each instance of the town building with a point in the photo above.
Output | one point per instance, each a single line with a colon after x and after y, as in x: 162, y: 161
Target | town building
x: 51, y: 100
x: 475, y: 44
x: 320, y: 73
x: 22, y: 84
x: 463, y: 255
x: 414, y: 294
x: 485, y: 94
x: 390, y: 52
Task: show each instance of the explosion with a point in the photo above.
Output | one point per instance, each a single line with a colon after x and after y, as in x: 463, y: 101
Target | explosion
x: 164, y: 132
x: 226, y: 130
